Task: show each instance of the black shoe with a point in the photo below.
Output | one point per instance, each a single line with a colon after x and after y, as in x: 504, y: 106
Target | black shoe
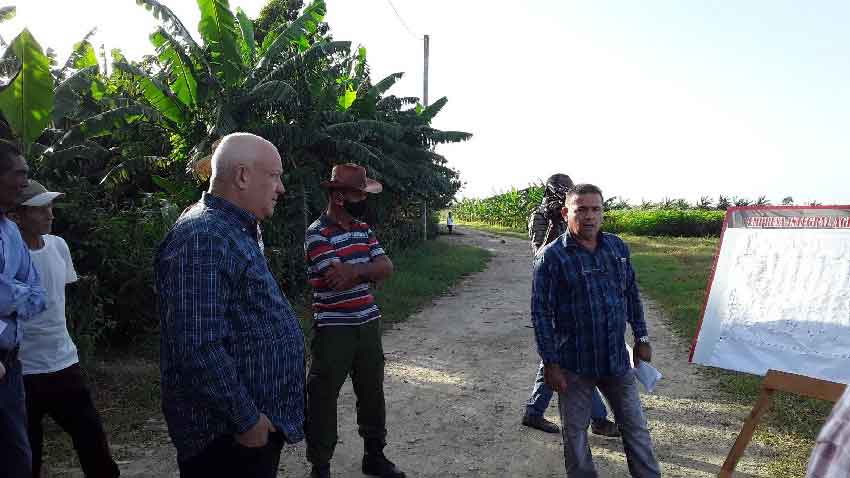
x: 321, y: 471
x: 540, y: 423
x: 605, y: 428
x: 379, y: 465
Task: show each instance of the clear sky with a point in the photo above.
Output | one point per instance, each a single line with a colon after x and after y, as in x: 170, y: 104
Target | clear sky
x: 646, y: 99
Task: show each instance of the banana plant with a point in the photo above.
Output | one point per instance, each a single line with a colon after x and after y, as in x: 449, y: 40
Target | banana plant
x: 27, y: 100
x: 289, y: 88
x: 43, y: 107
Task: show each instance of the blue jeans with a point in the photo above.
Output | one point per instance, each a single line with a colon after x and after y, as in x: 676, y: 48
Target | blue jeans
x: 541, y: 395
x: 622, y: 394
x: 15, y: 453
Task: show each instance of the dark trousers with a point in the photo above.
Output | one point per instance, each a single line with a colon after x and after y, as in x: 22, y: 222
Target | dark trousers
x: 337, y: 352
x: 64, y: 396
x: 226, y: 458
x: 15, y: 455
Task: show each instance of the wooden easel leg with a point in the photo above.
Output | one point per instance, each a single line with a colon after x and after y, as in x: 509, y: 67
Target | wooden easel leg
x: 746, y: 434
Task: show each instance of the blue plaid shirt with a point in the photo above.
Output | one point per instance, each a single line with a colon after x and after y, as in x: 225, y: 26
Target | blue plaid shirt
x: 231, y: 347
x: 580, y: 304
x: 21, y: 293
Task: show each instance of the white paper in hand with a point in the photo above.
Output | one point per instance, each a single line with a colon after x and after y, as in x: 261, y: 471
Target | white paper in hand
x: 648, y: 376
x: 645, y: 373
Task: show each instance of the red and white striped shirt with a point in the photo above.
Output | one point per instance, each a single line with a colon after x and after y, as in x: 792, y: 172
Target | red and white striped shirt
x: 324, y: 243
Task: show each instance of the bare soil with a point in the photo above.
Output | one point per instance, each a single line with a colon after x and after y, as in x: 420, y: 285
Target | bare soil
x: 457, y: 377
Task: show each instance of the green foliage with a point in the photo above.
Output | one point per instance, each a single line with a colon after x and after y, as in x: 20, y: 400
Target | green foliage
x: 220, y: 32
x: 129, y: 148
x: 247, y: 42
x: 428, y: 273
x: 664, y: 222
x: 177, y: 66
x: 510, y: 209
x: 668, y: 217
x: 159, y: 96
x: 27, y: 101
x: 295, y: 33
x: 82, y: 56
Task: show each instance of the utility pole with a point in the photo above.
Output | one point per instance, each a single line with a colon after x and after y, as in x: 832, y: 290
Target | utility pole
x: 425, y: 104
x: 425, y: 76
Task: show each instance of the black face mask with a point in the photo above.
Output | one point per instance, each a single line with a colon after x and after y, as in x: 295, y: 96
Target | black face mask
x: 356, y: 209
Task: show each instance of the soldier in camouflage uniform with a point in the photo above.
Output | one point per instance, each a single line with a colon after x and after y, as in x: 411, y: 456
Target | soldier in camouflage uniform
x: 544, y: 225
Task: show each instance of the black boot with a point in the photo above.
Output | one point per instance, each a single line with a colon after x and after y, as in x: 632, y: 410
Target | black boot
x: 376, y: 464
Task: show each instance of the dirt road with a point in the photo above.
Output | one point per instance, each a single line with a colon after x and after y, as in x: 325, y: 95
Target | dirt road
x: 459, y: 372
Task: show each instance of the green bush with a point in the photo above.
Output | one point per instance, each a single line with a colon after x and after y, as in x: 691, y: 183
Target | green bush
x: 664, y: 222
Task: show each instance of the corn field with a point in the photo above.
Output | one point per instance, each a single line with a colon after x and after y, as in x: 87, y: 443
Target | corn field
x: 510, y: 209
x: 668, y: 217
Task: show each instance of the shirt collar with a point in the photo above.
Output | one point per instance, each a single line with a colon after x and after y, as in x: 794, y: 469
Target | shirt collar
x: 326, y: 221
x: 570, y: 242
x: 233, y: 212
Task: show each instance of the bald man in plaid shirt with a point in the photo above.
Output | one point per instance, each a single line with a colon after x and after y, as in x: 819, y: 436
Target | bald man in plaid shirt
x: 831, y: 456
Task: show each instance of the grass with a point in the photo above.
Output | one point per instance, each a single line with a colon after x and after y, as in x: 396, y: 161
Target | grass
x: 674, y: 272
x: 425, y: 273
x: 126, y: 384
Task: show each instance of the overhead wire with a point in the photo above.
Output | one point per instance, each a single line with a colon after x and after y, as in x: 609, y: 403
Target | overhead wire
x: 403, y: 23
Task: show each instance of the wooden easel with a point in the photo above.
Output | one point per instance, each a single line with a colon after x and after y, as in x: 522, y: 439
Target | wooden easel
x: 784, y: 382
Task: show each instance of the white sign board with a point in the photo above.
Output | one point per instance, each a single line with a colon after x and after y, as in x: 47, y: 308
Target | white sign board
x: 779, y: 296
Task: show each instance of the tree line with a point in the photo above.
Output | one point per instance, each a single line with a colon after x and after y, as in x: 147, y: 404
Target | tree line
x: 129, y: 141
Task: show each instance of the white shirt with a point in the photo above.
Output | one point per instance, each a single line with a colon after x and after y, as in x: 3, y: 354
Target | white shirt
x: 47, y: 347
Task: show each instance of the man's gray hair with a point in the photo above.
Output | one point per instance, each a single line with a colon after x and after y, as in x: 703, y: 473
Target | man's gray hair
x: 236, y: 149
x: 583, y: 188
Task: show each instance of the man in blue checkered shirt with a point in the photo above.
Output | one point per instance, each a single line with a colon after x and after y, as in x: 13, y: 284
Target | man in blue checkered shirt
x: 584, y: 292
x: 232, y: 351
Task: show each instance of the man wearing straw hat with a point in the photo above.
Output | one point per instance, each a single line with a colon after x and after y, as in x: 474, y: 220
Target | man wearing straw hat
x: 343, y: 257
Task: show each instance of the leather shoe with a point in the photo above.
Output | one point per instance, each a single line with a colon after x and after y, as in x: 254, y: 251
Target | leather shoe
x: 379, y: 465
x: 540, y: 423
x: 605, y: 428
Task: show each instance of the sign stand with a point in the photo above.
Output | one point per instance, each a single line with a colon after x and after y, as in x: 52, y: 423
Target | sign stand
x: 783, y: 382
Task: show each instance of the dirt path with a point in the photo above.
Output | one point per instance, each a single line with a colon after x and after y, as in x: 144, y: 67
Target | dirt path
x: 459, y: 372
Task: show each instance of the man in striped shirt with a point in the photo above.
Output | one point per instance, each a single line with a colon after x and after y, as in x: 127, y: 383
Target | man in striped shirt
x: 343, y: 257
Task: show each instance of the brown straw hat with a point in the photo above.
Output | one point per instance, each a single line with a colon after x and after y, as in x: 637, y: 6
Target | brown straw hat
x: 352, y: 176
